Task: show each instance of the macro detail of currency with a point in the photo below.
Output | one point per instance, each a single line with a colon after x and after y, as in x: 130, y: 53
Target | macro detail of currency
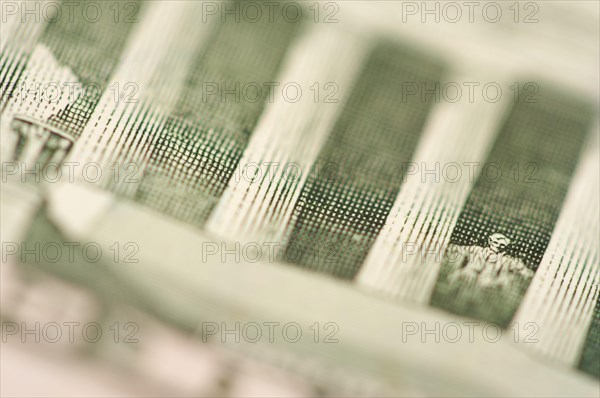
x: 299, y: 198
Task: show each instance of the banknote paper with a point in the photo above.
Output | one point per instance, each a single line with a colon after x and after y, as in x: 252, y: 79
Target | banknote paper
x: 476, y: 277
x: 319, y: 164
x: 199, y: 298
